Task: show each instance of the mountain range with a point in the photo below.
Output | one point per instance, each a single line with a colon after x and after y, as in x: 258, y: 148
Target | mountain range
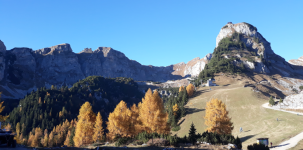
x: 23, y: 69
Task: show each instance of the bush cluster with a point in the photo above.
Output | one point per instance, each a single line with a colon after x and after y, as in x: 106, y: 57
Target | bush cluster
x: 215, y: 138
x: 256, y: 146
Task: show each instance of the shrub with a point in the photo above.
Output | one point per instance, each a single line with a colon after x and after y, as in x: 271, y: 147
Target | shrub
x: 256, y: 146
x: 215, y: 138
x: 177, y: 128
x: 271, y: 101
x: 138, y: 142
x: 122, y: 141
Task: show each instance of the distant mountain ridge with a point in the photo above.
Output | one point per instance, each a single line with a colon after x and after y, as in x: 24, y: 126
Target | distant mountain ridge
x: 24, y: 70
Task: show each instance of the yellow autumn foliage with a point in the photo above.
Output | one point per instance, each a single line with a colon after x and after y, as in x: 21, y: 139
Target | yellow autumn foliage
x: 190, y: 90
x: 216, y: 117
x: 2, y: 118
x: 119, y: 122
x: 85, y: 125
x: 175, y: 109
x: 152, y: 114
x: 181, y: 88
x: 98, y: 128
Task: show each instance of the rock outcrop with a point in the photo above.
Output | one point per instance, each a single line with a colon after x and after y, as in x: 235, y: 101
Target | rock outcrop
x: 2, y: 62
x: 297, y: 62
x: 193, y: 67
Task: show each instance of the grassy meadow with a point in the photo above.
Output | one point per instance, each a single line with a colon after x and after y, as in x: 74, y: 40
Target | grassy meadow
x: 245, y: 109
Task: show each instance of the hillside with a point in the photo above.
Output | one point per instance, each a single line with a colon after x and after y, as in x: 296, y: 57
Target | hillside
x: 46, y: 108
x: 244, y: 106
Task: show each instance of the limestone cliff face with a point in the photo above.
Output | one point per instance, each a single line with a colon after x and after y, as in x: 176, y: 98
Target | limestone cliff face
x: 193, y: 67
x: 297, y: 62
x: 2, y: 62
x: 24, y: 70
x: 261, y: 48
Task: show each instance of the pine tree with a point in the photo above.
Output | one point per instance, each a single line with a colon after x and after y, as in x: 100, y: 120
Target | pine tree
x: 216, y: 117
x: 119, y: 121
x: 85, y: 125
x: 192, y: 134
x: 190, y: 90
x: 281, y: 101
x: 238, y: 143
x: 72, y: 135
x: 98, y: 129
x: 271, y: 101
x: 152, y: 113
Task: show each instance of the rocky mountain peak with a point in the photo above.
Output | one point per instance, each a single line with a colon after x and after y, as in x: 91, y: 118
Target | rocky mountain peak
x: 2, y: 47
x: 208, y: 56
x: 65, y: 47
x: 86, y: 50
x: 243, y: 28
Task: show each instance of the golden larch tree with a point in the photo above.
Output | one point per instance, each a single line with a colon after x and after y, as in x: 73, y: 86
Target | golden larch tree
x: 181, y: 88
x: 44, y: 141
x: 175, y: 109
x: 2, y: 118
x: 216, y: 117
x: 135, y: 121
x: 51, y: 139
x: 98, y: 128
x: 18, y: 131
x: 67, y: 141
x: 85, y: 125
x: 190, y: 90
x: 37, y: 137
x: 152, y: 113
x: 30, y: 138
x: 119, y: 121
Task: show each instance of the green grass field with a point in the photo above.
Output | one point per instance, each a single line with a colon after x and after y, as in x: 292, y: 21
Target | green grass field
x: 246, y: 111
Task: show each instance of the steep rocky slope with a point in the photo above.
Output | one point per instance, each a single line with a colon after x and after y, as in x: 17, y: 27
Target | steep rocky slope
x: 297, y: 62
x: 270, y: 73
x: 23, y: 70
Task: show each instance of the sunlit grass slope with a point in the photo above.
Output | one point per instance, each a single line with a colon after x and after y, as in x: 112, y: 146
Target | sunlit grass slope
x: 246, y: 111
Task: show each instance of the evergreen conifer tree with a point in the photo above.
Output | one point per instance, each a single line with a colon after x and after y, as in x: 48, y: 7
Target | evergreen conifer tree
x: 192, y: 134
x: 271, y: 101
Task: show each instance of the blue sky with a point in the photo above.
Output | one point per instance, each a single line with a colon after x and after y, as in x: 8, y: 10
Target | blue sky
x: 152, y: 32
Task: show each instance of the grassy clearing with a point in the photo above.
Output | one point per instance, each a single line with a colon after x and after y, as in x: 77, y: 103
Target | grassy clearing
x: 246, y: 111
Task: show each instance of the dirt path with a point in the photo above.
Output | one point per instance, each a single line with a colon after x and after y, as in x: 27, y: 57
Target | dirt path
x: 292, y: 142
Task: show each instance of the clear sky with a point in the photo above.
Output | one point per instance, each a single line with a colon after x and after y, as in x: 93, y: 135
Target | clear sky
x: 152, y: 32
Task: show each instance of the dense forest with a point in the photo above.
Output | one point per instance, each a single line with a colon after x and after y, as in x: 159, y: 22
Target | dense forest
x: 46, y: 108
